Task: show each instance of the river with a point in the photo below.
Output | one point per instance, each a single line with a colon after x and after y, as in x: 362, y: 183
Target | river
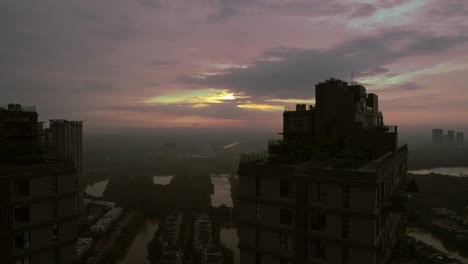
x: 222, y: 195
x: 433, y: 241
x: 97, y: 189
x: 138, y: 252
x: 222, y: 190
x: 451, y: 171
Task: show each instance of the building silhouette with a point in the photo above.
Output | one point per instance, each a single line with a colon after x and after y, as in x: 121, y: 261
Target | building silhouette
x: 66, y: 140
x: 450, y: 137
x: 437, y: 136
x: 460, y: 139
x: 38, y: 194
x: 329, y: 191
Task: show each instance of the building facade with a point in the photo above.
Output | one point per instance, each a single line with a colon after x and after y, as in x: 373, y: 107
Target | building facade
x: 18, y: 126
x: 460, y: 139
x: 38, y: 213
x: 38, y: 194
x: 437, y: 136
x: 330, y: 191
x: 66, y: 140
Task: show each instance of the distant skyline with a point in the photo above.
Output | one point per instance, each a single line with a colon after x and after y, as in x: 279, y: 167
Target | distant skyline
x: 231, y: 63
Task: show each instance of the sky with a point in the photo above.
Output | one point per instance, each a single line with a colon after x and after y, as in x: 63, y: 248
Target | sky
x: 231, y: 63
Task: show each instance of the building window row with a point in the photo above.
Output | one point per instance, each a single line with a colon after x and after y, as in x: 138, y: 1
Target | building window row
x: 284, y: 241
x: 286, y: 215
x: 23, y: 240
x: 316, y: 249
x: 22, y: 214
x: 21, y: 187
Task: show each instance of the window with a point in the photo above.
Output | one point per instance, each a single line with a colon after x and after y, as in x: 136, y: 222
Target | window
x: 345, y: 227
x: 377, y: 226
x: 23, y: 240
x: 54, y: 184
x: 57, y: 256
x: 378, y: 198
x: 318, y: 220
x: 284, y: 188
x: 322, y: 193
x: 257, y: 186
x: 55, y: 208
x: 285, y: 216
x: 257, y: 211
x: 284, y: 241
x: 321, y: 250
x: 25, y: 260
x: 344, y: 255
x: 22, y: 187
x: 382, y: 193
x: 258, y: 258
x: 345, y: 196
x: 22, y: 214
x: 258, y: 237
x: 55, y: 232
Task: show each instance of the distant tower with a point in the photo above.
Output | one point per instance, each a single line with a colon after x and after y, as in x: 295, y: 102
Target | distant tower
x: 437, y: 136
x: 451, y: 137
x: 67, y: 141
x: 460, y: 139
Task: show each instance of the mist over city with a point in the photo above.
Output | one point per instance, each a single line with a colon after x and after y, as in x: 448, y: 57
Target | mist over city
x: 233, y: 132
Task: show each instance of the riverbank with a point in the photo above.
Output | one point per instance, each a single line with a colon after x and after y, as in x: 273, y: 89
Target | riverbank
x: 440, y: 208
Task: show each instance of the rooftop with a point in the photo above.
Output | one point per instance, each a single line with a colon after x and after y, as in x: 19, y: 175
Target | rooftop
x: 17, y: 108
x: 347, y: 160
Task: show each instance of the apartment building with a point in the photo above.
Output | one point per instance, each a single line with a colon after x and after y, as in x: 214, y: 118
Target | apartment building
x: 329, y: 191
x: 38, y: 213
x: 38, y: 194
x: 66, y: 140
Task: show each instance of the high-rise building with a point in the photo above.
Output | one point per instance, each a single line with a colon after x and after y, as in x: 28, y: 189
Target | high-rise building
x: 38, y: 213
x: 18, y: 126
x: 451, y: 137
x: 460, y: 139
x: 330, y: 191
x: 66, y: 138
x: 437, y: 136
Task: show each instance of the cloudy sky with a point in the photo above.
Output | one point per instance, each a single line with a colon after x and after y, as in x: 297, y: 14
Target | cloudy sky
x: 231, y: 63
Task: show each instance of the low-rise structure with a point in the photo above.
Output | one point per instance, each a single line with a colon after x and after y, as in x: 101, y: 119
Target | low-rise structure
x: 83, y: 245
x: 105, y: 223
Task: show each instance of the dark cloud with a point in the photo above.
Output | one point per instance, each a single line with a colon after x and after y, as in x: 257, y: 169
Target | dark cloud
x: 449, y: 9
x: 92, y: 87
x: 121, y: 29
x: 152, y: 3
x: 391, y: 3
x: 225, y: 9
x: 374, y: 71
x: 400, y: 88
x: 363, y: 10
x: 160, y: 62
x: 298, y: 70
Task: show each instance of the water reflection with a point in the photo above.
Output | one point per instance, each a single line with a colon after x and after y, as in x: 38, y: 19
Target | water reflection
x: 451, y: 171
x: 231, y: 145
x: 431, y: 240
x: 222, y: 190
x: 230, y: 239
x: 97, y: 189
x: 162, y: 180
x: 138, y: 252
